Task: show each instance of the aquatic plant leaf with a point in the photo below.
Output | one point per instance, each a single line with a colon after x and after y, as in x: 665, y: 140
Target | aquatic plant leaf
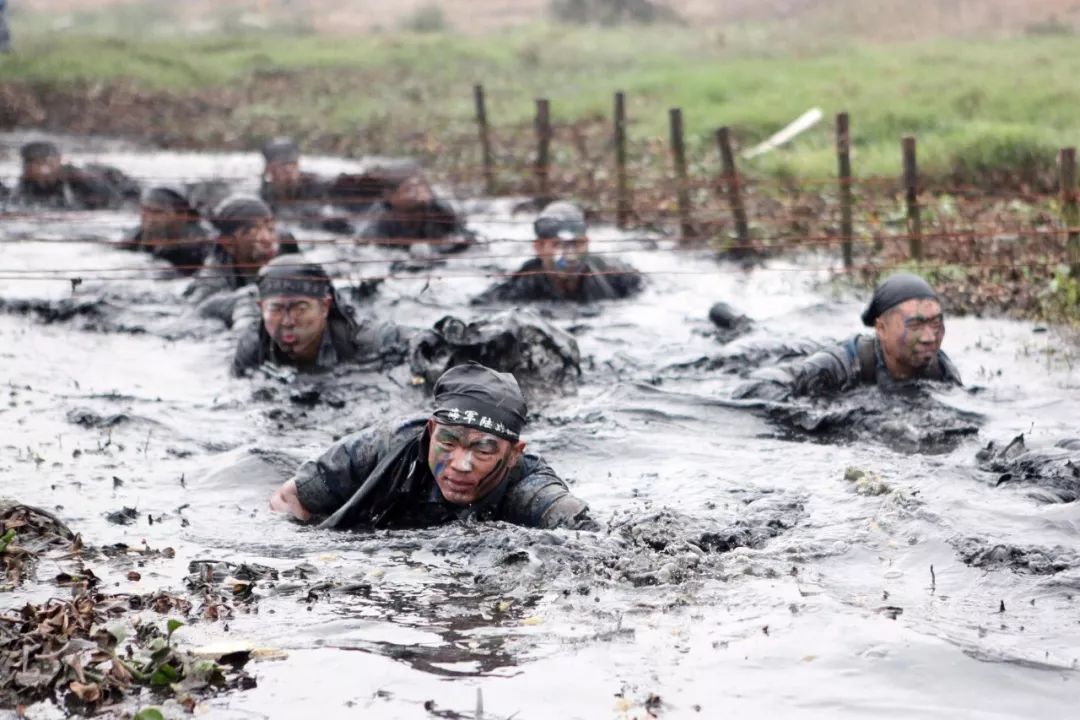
x: 164, y: 675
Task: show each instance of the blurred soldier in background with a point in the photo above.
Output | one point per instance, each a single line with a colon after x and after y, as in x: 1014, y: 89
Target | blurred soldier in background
x: 563, y: 269
x: 46, y: 181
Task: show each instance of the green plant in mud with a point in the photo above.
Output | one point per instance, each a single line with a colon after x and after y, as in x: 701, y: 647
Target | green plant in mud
x: 1061, y: 297
x: 70, y: 652
x: 6, y: 540
x: 427, y: 18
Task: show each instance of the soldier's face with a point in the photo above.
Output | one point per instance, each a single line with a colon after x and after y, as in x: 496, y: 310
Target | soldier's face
x: 911, y: 333
x: 559, y: 255
x: 158, y: 222
x: 282, y: 173
x: 256, y: 245
x: 413, y: 193
x: 295, y: 322
x: 43, y: 171
x: 468, y: 464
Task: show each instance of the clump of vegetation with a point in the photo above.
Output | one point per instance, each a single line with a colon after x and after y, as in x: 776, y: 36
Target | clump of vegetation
x: 1050, y: 26
x: 428, y: 18
x: 612, y: 12
x: 73, y: 652
x: 95, y: 649
x: 1005, y: 158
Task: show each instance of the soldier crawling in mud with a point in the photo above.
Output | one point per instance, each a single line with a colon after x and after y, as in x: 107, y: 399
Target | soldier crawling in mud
x: 48, y: 182
x: 248, y: 241
x: 323, y: 202
x: 563, y: 269
x: 909, y: 326
x: 170, y: 229
x: 304, y: 324
x: 465, y: 462
x: 412, y: 214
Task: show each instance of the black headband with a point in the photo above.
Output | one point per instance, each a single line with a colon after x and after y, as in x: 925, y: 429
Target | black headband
x: 291, y: 275
x: 478, y: 397
x: 281, y: 150
x: 563, y: 220
x: 893, y: 291
x: 166, y: 198
x: 39, y: 150
x: 238, y: 213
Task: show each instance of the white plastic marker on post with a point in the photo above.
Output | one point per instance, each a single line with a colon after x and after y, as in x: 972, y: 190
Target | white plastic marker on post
x: 804, y: 122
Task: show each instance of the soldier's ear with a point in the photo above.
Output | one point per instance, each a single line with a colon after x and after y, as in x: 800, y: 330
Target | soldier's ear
x: 518, y: 448
x: 879, y: 324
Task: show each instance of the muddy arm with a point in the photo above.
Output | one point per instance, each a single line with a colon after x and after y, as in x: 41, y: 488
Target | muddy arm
x: 386, y: 341
x: 541, y: 499
x: 326, y: 483
x: 823, y: 373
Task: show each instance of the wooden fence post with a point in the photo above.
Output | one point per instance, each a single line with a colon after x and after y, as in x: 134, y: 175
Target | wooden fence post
x: 843, y: 161
x: 678, y: 152
x: 622, y: 189
x: 1069, y: 211
x: 543, y: 148
x: 734, y: 190
x: 485, y: 139
x: 911, y: 191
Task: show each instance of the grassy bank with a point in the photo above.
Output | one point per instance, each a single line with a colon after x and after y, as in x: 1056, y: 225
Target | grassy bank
x: 975, y: 106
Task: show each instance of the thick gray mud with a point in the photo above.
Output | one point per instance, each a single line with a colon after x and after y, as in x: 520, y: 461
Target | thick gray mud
x: 742, y: 568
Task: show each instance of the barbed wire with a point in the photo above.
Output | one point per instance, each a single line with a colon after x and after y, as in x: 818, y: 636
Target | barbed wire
x: 832, y: 267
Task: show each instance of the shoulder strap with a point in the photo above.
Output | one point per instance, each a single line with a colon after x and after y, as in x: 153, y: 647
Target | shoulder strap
x: 378, y: 491
x: 864, y: 350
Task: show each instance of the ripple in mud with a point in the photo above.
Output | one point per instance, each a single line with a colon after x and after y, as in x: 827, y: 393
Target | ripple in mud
x: 87, y: 418
x: 1054, y: 472
x: 910, y: 422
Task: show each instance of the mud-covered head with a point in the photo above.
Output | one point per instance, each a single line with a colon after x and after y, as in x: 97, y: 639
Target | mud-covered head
x: 247, y: 230
x: 906, y: 315
x: 562, y: 239
x: 41, y: 162
x: 282, y: 161
x: 413, y: 193
x: 474, y: 432
x: 296, y: 298
x: 164, y: 210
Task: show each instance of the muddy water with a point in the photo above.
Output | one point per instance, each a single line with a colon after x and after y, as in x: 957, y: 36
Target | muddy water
x: 830, y: 608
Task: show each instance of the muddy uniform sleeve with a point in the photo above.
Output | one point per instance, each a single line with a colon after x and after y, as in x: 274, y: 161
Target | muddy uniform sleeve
x: 824, y: 373
x: 949, y: 373
x: 326, y: 483
x: 222, y: 305
x: 383, y: 340
x: 212, y: 293
x: 628, y: 282
x: 249, y: 352
x: 443, y: 219
x: 245, y: 311
x: 518, y: 288
x: 541, y: 499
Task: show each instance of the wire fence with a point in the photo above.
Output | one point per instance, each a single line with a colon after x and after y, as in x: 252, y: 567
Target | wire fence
x: 697, y: 195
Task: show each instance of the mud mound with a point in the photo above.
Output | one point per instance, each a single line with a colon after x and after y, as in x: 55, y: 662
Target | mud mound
x: 1053, y: 472
x: 984, y: 553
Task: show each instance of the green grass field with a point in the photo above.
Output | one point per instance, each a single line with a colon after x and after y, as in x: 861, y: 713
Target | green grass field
x: 975, y: 106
